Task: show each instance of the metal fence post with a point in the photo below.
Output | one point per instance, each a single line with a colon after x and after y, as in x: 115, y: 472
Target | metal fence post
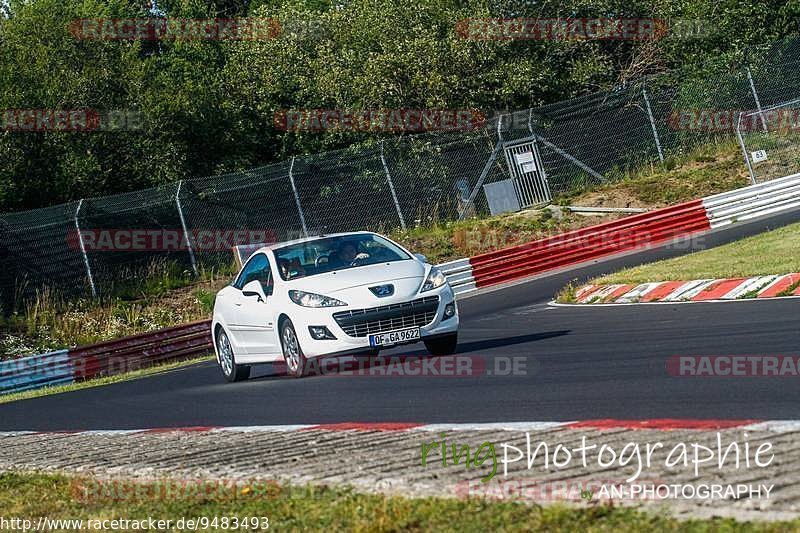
x: 391, y: 188
x: 744, y: 149
x: 577, y: 162
x: 83, y: 250
x: 185, y: 231
x: 485, y: 172
x: 755, y: 97
x: 653, y: 124
x: 297, y: 198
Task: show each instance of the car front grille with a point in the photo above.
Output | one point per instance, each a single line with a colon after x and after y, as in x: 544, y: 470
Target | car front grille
x: 363, y: 322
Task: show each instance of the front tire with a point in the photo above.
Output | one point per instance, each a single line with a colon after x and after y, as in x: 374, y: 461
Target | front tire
x: 296, y: 362
x: 227, y: 360
x: 445, y: 345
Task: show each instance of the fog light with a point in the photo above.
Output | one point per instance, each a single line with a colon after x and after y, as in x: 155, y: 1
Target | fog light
x: 321, y: 333
x: 449, y: 311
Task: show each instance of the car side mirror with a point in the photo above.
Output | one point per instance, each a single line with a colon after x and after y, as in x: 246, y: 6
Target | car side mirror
x: 421, y: 258
x: 254, y: 288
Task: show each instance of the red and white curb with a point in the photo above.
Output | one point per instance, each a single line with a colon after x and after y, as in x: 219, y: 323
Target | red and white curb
x: 658, y: 424
x: 700, y: 290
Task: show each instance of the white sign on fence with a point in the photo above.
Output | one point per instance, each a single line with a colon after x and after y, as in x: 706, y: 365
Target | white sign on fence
x: 524, y: 157
x: 758, y: 156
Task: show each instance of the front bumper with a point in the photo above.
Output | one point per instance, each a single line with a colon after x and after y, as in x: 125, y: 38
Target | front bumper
x: 348, y: 344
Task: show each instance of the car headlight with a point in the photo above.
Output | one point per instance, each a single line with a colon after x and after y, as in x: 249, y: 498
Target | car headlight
x: 309, y: 299
x: 434, y: 280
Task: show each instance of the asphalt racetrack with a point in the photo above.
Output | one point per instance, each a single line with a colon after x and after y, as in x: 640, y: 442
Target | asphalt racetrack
x: 572, y: 364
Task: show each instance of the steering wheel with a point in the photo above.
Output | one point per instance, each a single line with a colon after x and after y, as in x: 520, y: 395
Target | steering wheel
x: 320, y: 260
x: 359, y: 257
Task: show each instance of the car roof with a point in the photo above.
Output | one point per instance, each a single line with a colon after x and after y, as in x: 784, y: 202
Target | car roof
x: 310, y: 239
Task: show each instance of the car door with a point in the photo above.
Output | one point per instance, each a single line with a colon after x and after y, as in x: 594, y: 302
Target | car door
x: 255, y: 330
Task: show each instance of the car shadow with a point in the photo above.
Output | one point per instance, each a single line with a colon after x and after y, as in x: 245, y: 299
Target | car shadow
x: 488, y: 344
x: 349, y: 365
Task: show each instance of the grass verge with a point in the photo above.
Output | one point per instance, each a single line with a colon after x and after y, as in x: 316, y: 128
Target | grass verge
x: 772, y: 252
x: 31, y: 496
x: 69, y: 387
x: 52, y: 322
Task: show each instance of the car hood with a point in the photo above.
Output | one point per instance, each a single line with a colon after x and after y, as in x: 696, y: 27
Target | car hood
x: 336, y: 281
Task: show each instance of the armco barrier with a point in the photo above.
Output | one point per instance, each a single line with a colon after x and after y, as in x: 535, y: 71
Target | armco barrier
x: 140, y: 351
x: 589, y: 243
x: 626, y: 234
x: 754, y: 201
x: 464, y: 275
x: 35, y: 371
x: 106, y: 358
x: 459, y: 275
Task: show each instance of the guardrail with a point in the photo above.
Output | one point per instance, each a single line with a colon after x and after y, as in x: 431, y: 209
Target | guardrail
x: 459, y: 275
x: 629, y: 233
x: 754, y: 201
x: 464, y: 275
x: 106, y: 358
x: 140, y: 351
x: 590, y: 243
x: 35, y: 371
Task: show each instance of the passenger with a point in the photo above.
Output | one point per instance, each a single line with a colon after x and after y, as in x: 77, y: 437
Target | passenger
x: 296, y: 269
x: 291, y: 269
x: 283, y: 268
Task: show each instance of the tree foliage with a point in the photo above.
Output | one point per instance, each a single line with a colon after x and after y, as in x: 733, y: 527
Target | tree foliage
x: 207, y: 106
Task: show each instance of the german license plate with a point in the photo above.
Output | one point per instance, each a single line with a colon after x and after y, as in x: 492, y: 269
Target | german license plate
x: 394, y: 337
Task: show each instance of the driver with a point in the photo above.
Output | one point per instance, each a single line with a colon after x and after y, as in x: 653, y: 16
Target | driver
x: 345, y: 255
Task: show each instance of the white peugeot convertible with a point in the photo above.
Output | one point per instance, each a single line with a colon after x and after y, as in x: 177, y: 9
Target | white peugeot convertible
x: 343, y: 294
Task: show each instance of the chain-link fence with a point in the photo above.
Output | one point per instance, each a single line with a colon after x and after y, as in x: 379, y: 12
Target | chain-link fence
x: 97, y: 245
x: 770, y: 140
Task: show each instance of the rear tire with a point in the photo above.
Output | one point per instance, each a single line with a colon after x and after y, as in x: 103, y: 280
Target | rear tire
x: 296, y: 362
x: 227, y: 360
x: 445, y: 345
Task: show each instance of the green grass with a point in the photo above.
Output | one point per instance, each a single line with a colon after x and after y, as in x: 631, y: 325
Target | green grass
x: 773, y: 252
x: 707, y: 170
x: 46, y: 391
x: 30, y: 496
x: 50, y: 321
x: 456, y: 239
x: 704, y: 171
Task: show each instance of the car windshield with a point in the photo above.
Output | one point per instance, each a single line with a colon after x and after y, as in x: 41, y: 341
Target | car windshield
x: 335, y: 253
